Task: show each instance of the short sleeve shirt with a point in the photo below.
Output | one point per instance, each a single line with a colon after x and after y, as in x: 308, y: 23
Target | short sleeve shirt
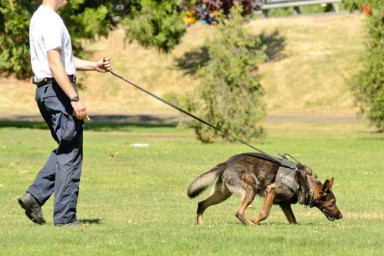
x: 47, y: 32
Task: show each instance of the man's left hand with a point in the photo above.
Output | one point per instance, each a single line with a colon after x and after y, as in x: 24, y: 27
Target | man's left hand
x: 104, y: 65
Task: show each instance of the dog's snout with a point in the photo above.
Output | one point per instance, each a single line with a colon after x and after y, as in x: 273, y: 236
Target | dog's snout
x: 340, y: 216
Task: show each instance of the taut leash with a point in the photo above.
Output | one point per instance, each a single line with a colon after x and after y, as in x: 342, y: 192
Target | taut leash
x: 187, y: 113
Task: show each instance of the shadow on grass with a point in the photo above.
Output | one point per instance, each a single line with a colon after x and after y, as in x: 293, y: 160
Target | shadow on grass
x: 282, y: 223
x: 274, y: 44
x: 23, y: 124
x: 98, y: 122
x: 91, y: 221
x: 192, y: 61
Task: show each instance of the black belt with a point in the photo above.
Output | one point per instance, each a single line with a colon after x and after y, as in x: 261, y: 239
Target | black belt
x: 49, y: 80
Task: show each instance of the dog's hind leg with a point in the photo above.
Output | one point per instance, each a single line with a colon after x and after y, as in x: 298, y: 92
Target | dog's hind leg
x: 268, y: 202
x: 288, y: 213
x: 219, y: 195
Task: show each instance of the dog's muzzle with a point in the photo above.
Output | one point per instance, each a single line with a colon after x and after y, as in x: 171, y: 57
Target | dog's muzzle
x: 329, y: 216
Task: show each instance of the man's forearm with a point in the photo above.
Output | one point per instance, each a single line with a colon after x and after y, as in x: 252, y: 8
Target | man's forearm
x: 85, y: 65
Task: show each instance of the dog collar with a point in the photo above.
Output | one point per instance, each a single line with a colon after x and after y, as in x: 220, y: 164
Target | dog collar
x: 309, y: 197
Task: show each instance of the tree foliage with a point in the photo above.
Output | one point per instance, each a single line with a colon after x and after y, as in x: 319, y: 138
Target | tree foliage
x: 156, y: 24
x: 84, y: 19
x: 353, y: 5
x: 152, y: 23
x: 230, y: 94
x: 14, y: 48
x: 368, y: 85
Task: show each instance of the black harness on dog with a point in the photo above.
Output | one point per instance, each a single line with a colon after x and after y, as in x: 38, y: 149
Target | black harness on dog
x: 286, y: 175
x: 286, y: 172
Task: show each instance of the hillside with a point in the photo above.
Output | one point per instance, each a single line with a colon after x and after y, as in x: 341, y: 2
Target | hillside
x: 312, y: 59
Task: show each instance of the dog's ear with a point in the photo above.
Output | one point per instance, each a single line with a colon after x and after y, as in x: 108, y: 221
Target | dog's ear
x: 328, y: 185
x: 318, y: 191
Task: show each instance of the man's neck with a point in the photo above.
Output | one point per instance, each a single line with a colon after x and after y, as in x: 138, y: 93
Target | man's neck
x: 51, y: 4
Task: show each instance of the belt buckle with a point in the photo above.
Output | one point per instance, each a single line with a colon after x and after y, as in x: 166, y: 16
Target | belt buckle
x: 72, y: 78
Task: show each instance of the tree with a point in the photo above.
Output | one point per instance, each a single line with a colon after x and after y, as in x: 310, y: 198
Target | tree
x: 14, y: 48
x: 353, y: 5
x: 368, y: 85
x: 156, y: 24
x: 82, y: 22
x: 230, y: 94
x: 152, y: 23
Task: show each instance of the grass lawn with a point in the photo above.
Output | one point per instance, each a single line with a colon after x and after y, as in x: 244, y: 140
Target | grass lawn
x: 133, y: 193
x: 133, y: 190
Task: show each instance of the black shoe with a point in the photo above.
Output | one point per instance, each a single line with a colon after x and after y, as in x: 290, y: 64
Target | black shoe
x: 32, y: 208
x: 71, y: 224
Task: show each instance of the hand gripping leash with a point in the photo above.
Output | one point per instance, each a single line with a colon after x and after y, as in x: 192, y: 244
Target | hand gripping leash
x: 187, y: 113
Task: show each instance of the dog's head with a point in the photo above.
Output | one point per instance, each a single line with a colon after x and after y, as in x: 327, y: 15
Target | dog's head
x: 325, y: 200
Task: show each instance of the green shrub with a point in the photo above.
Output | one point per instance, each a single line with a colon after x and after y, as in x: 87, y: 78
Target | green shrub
x: 230, y: 94
x: 353, y: 5
x: 14, y: 46
x: 156, y: 24
x: 368, y: 85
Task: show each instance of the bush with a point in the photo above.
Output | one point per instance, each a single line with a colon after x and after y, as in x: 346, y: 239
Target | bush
x: 230, y: 94
x: 354, y: 5
x: 156, y: 24
x: 368, y: 85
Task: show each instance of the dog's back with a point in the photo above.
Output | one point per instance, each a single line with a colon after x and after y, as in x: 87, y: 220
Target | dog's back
x: 251, y: 168
x: 245, y: 170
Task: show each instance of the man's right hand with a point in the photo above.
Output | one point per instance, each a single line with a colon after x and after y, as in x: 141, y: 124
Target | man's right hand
x: 80, y: 111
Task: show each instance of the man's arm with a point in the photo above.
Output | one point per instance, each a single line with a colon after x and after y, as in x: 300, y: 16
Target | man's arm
x: 58, y: 71
x: 102, y: 65
x: 61, y: 77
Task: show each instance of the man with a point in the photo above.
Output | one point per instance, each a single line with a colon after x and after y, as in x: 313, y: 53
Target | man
x: 54, y: 68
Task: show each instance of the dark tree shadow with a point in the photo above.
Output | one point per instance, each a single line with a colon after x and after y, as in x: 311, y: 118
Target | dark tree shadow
x: 274, y: 44
x: 98, y: 122
x: 192, y: 61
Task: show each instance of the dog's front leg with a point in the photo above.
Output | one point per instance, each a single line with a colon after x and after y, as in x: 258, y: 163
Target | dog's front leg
x: 247, y: 200
x: 268, y: 202
x: 287, y: 209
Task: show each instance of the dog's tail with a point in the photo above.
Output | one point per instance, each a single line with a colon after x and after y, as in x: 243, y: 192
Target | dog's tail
x: 205, y: 180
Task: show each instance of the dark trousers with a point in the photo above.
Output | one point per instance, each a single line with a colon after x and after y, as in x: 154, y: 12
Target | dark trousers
x: 61, y: 173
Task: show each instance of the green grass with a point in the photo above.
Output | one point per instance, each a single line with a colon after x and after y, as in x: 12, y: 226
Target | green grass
x: 134, y: 198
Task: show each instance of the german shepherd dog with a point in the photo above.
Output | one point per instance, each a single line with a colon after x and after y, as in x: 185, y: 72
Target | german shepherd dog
x: 251, y: 174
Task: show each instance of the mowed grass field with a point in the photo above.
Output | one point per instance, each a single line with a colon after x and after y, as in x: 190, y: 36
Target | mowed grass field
x: 133, y: 193
x: 133, y: 190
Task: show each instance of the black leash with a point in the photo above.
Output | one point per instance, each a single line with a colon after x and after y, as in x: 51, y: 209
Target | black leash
x: 187, y: 113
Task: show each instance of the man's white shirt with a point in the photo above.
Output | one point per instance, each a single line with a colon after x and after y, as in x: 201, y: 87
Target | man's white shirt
x: 47, y: 32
